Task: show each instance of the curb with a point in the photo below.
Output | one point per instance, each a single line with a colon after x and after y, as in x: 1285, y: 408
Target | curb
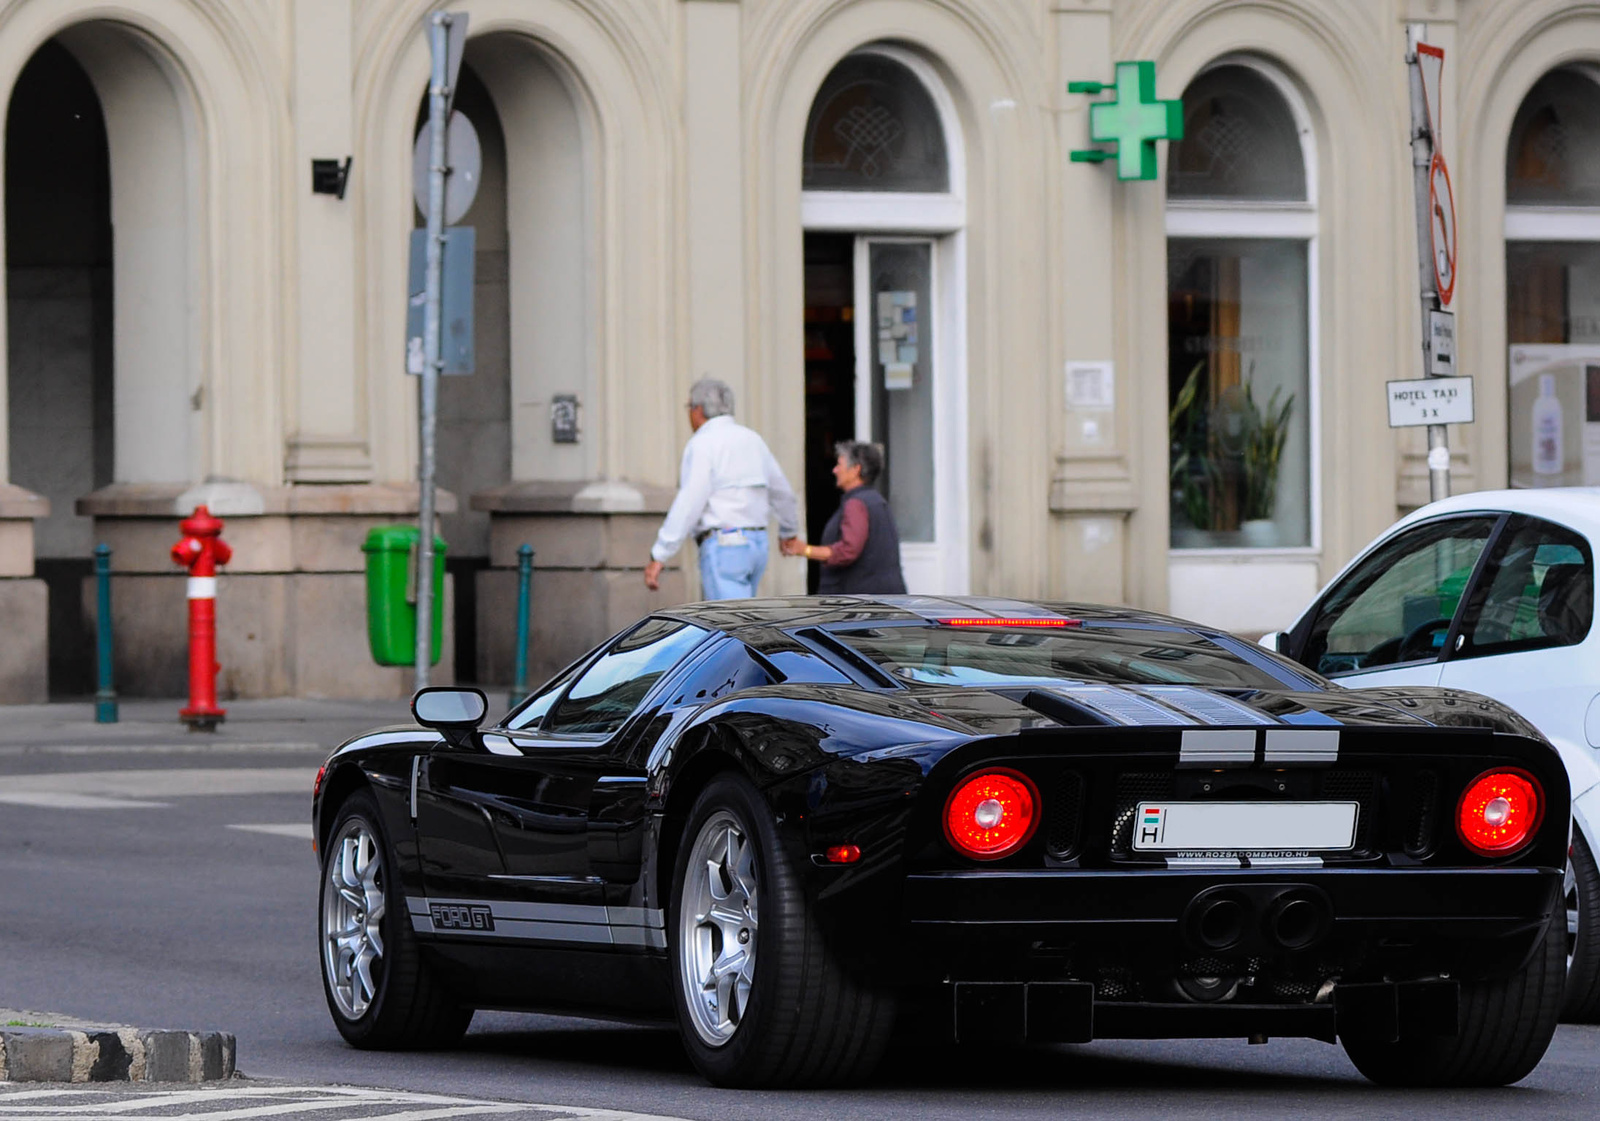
x: 114, y: 1055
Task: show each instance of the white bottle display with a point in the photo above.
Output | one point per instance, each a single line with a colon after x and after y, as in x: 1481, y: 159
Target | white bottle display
x: 1548, y: 454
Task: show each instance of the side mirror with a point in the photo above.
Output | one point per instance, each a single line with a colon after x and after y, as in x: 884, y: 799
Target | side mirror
x: 1273, y: 640
x: 448, y: 708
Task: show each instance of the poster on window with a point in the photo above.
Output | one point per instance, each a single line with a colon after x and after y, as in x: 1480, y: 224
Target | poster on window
x: 897, y: 337
x: 1555, y: 415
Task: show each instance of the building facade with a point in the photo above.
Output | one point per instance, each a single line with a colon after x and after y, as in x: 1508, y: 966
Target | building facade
x: 863, y: 214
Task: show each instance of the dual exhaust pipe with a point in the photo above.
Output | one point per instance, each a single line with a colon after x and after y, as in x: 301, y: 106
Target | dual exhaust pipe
x: 1260, y: 918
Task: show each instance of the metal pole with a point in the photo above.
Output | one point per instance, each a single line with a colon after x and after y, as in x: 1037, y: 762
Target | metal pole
x: 519, y: 688
x: 105, y: 694
x: 1421, y: 162
x: 438, y: 91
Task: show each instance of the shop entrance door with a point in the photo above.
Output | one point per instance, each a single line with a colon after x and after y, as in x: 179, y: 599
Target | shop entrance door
x: 874, y: 335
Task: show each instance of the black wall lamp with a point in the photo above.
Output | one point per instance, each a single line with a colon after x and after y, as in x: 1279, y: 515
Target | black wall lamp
x: 328, y: 177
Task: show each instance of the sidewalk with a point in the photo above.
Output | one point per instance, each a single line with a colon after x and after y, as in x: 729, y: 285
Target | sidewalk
x: 284, y: 723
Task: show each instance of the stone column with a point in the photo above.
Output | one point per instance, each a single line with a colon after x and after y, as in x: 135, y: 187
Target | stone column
x: 1091, y: 488
x: 714, y: 164
x: 24, y: 601
x: 291, y: 606
x: 591, y: 543
x: 326, y: 395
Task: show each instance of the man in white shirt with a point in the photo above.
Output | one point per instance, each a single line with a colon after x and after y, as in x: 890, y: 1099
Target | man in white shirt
x: 727, y: 485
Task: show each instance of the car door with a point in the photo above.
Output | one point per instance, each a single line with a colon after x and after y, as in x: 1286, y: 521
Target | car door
x: 1386, y: 620
x: 1533, y: 606
x: 533, y: 784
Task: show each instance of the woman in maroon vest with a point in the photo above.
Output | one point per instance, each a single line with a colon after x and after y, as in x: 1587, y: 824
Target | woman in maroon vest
x: 860, y: 549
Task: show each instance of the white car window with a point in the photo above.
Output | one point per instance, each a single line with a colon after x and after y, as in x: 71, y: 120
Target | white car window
x: 1539, y: 593
x: 1396, y: 606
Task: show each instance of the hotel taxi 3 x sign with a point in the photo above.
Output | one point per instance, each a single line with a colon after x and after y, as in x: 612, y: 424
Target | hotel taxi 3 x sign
x: 1132, y: 121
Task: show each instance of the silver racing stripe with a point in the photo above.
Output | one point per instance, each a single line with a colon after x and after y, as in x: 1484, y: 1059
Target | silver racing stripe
x: 1317, y: 747
x: 1217, y: 747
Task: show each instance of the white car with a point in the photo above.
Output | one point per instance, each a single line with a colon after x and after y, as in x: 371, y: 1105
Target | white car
x: 1491, y: 592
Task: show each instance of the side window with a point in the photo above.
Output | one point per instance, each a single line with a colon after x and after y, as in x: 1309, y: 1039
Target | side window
x: 606, y: 693
x: 535, y: 708
x: 1540, y: 593
x: 1396, y: 606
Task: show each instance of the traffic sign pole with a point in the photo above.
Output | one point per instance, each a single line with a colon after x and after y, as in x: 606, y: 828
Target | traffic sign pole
x: 438, y: 113
x: 1423, y: 122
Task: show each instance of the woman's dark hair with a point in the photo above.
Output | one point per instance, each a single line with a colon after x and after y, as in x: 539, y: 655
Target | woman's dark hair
x: 868, y: 457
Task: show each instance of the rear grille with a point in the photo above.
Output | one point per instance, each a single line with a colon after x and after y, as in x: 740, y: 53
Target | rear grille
x: 1063, y: 824
x: 1424, y: 813
x: 1362, y: 787
x: 1134, y: 787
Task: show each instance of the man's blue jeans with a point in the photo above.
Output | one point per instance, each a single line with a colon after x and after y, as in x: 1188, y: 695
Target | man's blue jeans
x: 731, y: 563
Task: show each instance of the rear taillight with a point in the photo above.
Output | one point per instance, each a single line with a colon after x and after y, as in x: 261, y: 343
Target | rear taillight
x: 316, y: 787
x: 1500, y: 812
x: 991, y: 814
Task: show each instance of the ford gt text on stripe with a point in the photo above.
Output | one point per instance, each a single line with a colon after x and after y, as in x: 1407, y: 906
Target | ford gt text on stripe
x: 787, y: 823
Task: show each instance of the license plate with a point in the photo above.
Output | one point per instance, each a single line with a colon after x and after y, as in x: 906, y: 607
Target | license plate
x: 1245, y: 827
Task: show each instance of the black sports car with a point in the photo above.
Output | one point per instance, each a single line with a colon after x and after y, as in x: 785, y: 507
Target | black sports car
x: 785, y: 820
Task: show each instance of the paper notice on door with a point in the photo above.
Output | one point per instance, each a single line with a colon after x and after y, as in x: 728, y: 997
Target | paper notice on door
x: 897, y: 337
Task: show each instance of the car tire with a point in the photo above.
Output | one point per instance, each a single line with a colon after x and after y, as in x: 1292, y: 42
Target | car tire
x: 1506, y: 1025
x: 1582, y: 892
x: 380, y: 992
x: 761, y: 1000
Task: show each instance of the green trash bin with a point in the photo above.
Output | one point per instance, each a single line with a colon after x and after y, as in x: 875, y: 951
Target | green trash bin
x: 392, y: 594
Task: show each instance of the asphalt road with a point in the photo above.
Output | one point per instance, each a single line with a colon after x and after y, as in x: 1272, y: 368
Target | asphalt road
x: 178, y: 889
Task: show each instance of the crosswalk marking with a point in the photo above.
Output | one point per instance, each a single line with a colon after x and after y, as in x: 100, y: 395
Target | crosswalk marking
x: 250, y: 1101
x: 299, y: 830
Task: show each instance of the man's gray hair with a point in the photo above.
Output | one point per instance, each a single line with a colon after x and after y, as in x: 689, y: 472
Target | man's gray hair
x: 713, y: 397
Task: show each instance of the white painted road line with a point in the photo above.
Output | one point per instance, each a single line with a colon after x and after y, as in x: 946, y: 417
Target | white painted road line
x: 243, y: 1100
x: 97, y: 790
x: 299, y: 830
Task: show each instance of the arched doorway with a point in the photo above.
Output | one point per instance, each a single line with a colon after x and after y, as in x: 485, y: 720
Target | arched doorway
x: 532, y: 319
x: 59, y: 330
x: 883, y: 211
x: 103, y: 362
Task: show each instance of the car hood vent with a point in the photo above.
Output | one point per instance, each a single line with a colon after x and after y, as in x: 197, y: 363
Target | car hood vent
x: 1205, y: 706
x: 1149, y: 706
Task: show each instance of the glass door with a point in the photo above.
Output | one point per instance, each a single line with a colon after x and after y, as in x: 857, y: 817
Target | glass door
x: 898, y: 395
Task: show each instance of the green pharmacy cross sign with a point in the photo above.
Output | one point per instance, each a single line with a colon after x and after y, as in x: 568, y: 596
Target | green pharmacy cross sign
x: 1134, y: 120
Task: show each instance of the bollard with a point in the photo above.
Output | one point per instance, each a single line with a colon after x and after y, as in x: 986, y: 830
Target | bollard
x: 105, y: 694
x: 200, y: 551
x: 519, y: 689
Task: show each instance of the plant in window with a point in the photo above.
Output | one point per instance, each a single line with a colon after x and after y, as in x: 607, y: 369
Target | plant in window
x: 1225, y: 456
x: 1265, y: 433
x: 1194, y: 474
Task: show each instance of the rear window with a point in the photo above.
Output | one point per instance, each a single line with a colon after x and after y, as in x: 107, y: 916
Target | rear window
x: 938, y: 655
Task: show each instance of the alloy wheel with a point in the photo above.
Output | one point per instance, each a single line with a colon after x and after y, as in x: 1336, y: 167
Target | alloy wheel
x: 719, y: 915
x: 352, y: 919
x: 1569, y: 894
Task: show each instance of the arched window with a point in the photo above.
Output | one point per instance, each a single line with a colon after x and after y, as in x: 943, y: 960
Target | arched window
x: 1240, y: 141
x: 1241, y: 228
x: 1553, y: 281
x: 873, y: 127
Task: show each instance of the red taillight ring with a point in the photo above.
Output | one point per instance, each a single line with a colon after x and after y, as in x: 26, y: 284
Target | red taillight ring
x: 1500, y: 811
x: 991, y: 814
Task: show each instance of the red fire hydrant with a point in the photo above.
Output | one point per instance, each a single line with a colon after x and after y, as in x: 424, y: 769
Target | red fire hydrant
x: 200, y: 551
